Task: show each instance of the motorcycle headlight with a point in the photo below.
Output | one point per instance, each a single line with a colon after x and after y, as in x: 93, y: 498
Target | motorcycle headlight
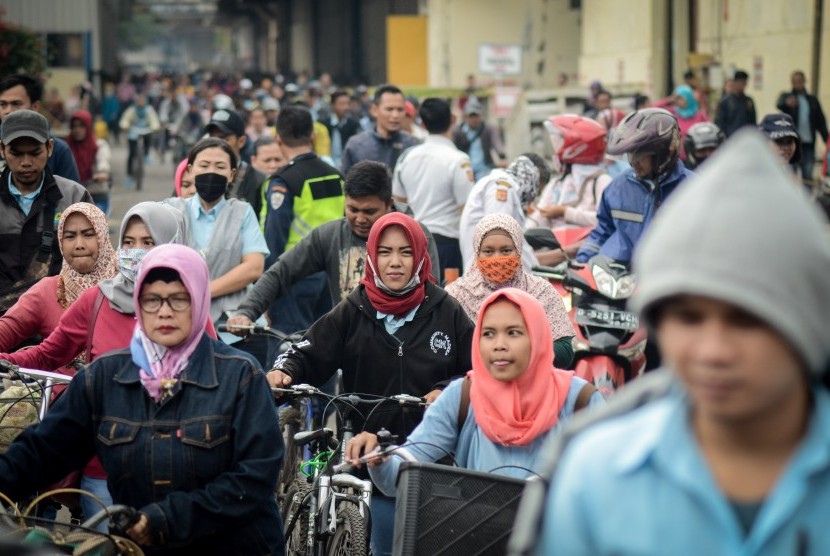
x: 605, y: 282
x: 611, y: 288
x: 625, y: 287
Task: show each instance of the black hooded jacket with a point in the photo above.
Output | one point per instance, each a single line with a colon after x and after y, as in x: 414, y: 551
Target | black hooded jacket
x: 423, y: 355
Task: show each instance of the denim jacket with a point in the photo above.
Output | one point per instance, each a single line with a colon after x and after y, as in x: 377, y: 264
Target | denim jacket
x: 202, y: 465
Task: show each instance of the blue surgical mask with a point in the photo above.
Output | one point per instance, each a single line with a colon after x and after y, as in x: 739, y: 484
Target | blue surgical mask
x: 128, y: 261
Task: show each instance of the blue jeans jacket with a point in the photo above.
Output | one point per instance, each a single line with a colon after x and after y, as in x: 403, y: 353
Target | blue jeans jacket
x: 625, y: 210
x: 202, y: 465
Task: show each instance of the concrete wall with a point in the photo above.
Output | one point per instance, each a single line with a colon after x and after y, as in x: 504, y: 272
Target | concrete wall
x: 619, y: 44
x: 548, y: 30
x: 776, y: 34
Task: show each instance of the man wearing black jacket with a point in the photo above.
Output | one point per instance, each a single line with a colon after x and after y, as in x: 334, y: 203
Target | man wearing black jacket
x: 808, y: 116
x: 31, y: 202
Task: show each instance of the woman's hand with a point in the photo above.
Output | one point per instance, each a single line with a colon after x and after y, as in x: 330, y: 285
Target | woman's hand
x: 140, y: 532
x: 432, y: 396
x: 553, y: 211
x: 361, y: 445
x: 278, y: 379
x: 239, y: 320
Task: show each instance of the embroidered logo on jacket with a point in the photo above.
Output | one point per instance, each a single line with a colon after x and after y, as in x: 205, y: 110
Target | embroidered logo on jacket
x: 439, y: 341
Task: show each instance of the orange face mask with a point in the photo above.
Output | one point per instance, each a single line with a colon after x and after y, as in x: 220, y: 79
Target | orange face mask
x: 499, y: 269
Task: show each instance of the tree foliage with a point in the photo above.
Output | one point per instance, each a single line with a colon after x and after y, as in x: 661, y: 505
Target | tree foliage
x: 21, y: 50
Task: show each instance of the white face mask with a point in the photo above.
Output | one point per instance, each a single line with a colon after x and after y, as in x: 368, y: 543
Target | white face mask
x: 129, y: 260
x: 411, y: 285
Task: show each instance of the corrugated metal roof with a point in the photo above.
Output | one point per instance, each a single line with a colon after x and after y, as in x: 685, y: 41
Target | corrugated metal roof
x: 53, y: 16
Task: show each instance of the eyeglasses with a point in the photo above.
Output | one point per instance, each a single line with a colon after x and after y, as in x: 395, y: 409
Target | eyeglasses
x: 152, y: 303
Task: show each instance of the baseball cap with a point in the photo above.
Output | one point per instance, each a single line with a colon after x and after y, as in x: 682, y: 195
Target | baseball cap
x: 226, y: 121
x: 24, y: 123
x: 779, y: 126
x: 473, y: 106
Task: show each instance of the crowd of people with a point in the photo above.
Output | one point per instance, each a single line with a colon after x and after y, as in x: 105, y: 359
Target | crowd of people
x: 388, y: 231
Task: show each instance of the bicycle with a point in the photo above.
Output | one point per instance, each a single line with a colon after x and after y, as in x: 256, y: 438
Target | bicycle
x: 136, y: 169
x: 328, y: 512
x: 34, y: 389
x: 24, y: 533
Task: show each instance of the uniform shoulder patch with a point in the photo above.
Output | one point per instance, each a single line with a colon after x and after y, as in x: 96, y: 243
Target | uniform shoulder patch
x: 501, y: 195
x: 503, y: 183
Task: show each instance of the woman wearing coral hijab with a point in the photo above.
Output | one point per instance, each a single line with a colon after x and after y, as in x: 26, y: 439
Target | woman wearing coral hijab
x: 513, y: 397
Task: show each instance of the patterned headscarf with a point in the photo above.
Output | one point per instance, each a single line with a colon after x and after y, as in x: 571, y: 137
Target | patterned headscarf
x: 72, y: 283
x: 526, y: 174
x: 473, y: 288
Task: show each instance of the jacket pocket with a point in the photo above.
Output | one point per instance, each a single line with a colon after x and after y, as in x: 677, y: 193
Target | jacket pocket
x: 206, y: 445
x: 113, y: 432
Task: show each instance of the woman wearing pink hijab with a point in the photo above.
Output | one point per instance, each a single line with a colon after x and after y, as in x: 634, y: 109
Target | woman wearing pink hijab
x: 185, y: 186
x: 182, y: 424
x: 512, y: 398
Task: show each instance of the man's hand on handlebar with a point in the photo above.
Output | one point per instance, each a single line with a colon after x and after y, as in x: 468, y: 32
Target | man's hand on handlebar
x: 242, y: 321
x: 278, y: 379
x: 360, y: 446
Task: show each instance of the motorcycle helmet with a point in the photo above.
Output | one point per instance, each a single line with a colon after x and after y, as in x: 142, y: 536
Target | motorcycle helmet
x: 702, y: 135
x: 575, y: 139
x: 651, y: 131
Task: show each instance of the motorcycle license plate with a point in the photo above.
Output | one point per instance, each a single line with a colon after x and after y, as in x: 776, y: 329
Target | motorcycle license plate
x: 612, y: 319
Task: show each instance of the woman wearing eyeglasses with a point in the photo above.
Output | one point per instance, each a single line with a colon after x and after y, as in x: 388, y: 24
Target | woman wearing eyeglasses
x: 183, y: 424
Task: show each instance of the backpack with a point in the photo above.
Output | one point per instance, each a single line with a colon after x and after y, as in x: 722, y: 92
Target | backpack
x: 464, y: 405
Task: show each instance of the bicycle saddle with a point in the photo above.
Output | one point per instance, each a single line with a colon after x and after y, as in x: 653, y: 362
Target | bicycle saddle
x: 305, y: 437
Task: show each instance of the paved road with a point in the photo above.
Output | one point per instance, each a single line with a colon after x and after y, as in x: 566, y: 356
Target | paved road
x: 158, y: 184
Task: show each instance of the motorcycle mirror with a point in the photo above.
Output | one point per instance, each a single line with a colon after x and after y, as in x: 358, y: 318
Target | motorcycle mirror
x: 541, y: 238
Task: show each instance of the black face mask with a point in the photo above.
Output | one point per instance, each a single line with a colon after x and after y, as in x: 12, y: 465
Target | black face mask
x: 210, y: 186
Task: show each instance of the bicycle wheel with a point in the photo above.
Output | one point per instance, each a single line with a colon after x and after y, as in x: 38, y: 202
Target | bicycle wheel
x: 296, y: 541
x: 290, y: 423
x: 138, y: 164
x: 350, y: 538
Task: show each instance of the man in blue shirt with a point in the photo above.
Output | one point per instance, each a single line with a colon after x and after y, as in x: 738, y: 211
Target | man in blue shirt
x: 21, y: 92
x: 31, y: 202
x: 651, y: 138
x: 480, y: 140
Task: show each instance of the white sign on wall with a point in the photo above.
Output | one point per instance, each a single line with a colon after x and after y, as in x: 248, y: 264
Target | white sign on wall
x: 500, y: 59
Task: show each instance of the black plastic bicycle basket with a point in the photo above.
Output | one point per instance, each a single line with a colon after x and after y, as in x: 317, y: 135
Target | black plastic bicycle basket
x: 449, y: 510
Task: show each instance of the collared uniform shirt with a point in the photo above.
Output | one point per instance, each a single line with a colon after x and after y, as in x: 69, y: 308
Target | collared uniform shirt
x: 435, y: 178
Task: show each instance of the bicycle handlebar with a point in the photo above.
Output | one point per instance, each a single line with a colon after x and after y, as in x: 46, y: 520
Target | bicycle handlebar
x: 121, y: 518
x: 254, y: 329
x: 14, y: 372
x: 306, y: 390
x: 374, y: 454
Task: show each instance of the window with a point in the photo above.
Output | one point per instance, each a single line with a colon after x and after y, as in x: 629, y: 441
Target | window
x: 65, y: 50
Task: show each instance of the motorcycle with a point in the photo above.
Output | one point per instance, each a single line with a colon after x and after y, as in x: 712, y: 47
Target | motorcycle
x: 609, y: 344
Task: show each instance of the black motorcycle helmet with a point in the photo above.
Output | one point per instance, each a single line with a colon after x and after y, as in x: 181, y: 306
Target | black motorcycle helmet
x: 651, y: 131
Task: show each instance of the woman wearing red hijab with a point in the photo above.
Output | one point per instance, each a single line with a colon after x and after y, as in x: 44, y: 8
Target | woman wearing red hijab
x: 397, y: 332
x: 514, y: 397
x: 92, y: 157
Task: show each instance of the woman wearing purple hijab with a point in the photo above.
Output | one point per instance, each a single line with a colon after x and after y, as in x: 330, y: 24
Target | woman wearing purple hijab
x: 184, y: 425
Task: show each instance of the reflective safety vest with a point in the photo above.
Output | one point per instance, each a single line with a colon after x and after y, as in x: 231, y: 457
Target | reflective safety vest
x: 317, y: 189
